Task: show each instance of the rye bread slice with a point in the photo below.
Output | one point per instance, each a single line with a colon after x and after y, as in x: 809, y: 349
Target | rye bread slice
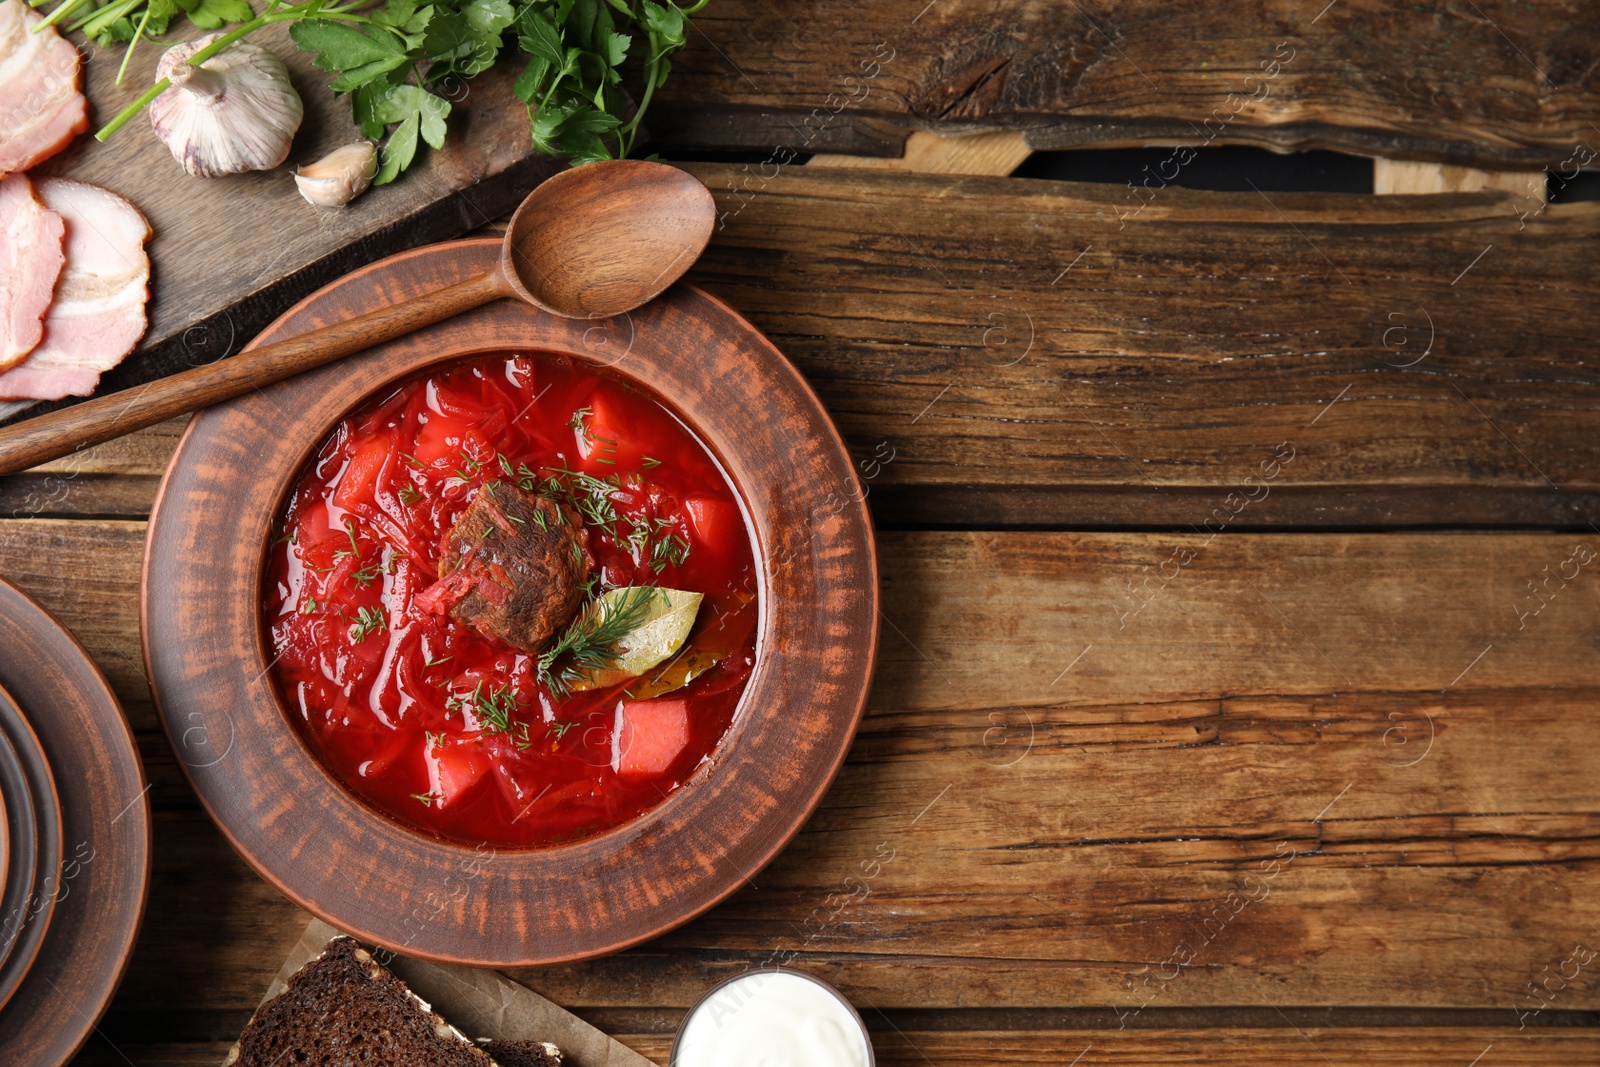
x: 522, y: 1053
x: 344, y: 1009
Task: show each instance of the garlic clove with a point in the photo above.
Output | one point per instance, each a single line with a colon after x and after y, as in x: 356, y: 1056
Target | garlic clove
x: 236, y: 112
x: 340, y: 176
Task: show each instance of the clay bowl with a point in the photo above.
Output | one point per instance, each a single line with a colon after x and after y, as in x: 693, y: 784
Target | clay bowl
x: 398, y: 887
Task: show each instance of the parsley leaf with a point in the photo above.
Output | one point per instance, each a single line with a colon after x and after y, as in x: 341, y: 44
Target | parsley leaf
x: 342, y: 48
x: 398, y: 150
x: 211, y: 14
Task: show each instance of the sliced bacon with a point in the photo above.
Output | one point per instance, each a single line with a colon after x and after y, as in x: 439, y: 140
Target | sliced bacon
x: 98, y: 312
x: 41, y: 108
x: 30, y: 261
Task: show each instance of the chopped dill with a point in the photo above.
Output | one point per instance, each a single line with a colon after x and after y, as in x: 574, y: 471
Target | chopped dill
x: 409, y: 495
x: 639, y: 540
x: 354, y: 552
x: 589, y: 496
x: 671, y: 549
x: 493, y: 708
x: 369, y: 620
x: 590, y: 641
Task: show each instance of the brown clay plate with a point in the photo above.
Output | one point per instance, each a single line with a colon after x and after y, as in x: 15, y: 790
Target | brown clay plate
x: 354, y: 868
x: 22, y: 932
x: 22, y: 848
x: 99, y: 884
x: 6, y: 850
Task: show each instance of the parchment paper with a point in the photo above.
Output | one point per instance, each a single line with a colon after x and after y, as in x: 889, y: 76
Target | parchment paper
x: 480, y: 1004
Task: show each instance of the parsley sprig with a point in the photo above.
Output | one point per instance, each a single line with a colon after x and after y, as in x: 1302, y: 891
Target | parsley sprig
x: 399, y: 61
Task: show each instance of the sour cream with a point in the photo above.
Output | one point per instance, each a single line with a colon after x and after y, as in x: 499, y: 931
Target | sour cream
x: 772, y: 1019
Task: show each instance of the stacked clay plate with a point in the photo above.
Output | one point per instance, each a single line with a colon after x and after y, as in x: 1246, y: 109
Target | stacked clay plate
x: 74, y: 838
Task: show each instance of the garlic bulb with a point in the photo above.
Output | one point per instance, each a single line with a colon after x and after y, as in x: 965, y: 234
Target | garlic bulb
x: 234, y: 113
x: 340, y: 176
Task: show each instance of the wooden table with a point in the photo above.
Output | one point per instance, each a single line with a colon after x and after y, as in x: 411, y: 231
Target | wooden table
x: 1239, y: 549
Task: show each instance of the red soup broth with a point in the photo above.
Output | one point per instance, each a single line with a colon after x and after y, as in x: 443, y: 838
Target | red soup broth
x: 448, y: 731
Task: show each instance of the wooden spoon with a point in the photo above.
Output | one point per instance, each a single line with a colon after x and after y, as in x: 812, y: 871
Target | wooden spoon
x: 589, y: 243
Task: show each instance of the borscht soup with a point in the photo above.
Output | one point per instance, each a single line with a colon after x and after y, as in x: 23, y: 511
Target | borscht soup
x: 512, y: 602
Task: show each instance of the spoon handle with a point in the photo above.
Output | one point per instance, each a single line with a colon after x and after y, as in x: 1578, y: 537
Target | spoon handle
x: 47, y: 437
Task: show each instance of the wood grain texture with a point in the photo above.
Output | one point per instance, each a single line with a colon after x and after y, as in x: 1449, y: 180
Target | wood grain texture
x: 1280, y: 1047
x: 329, y: 851
x: 1495, y: 83
x: 997, y: 350
x: 117, y: 478
x: 220, y: 272
x: 1006, y: 352
x: 1268, y: 699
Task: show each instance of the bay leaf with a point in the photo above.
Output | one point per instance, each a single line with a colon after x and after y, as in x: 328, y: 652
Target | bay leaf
x: 658, y: 636
x: 710, y: 647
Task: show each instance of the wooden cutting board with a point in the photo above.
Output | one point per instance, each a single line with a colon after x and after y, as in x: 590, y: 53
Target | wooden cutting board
x: 230, y: 254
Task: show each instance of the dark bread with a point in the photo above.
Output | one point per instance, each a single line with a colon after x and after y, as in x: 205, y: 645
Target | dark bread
x: 343, y: 1009
x: 523, y: 1053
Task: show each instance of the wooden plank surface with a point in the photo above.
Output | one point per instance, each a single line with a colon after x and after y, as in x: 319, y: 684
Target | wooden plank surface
x: 1136, y: 786
x: 1000, y: 351
x: 230, y: 253
x: 1341, y: 770
x: 1284, y: 1046
x: 1496, y: 83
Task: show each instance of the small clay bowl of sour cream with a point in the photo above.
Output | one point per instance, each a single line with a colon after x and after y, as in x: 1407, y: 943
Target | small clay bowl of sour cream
x: 774, y: 1018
